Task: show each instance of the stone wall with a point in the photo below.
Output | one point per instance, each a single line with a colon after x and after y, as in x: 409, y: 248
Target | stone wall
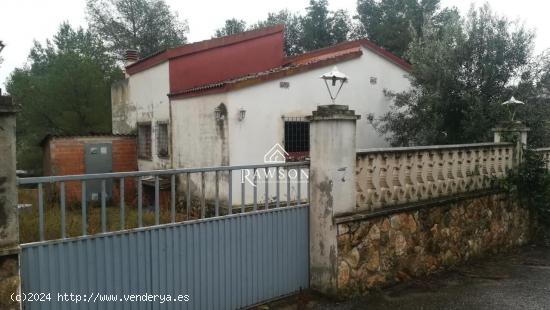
x: 9, y: 282
x: 376, y: 251
x: 9, y: 231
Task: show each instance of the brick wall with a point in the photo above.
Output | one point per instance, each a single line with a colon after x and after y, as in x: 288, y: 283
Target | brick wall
x: 65, y: 156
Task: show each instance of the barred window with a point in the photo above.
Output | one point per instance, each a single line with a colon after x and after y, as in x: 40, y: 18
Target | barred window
x: 296, y: 137
x: 144, y: 141
x: 162, y: 140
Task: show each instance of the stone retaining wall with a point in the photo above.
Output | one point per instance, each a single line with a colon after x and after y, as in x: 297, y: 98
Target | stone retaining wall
x: 379, y: 251
x: 9, y: 282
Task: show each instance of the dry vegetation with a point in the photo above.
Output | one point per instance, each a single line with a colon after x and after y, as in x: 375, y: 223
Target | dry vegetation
x: 28, y: 218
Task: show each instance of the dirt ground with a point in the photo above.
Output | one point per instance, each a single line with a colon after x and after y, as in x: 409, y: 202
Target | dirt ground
x: 519, y: 280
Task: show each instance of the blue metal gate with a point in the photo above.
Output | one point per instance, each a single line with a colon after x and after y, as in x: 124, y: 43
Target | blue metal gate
x: 224, y: 262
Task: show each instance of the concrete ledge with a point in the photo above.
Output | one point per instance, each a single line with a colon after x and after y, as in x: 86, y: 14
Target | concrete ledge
x: 434, y: 148
x: 406, y: 207
x: 10, y: 251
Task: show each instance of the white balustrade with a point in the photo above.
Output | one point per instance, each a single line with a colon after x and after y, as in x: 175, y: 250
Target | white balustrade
x: 393, y: 176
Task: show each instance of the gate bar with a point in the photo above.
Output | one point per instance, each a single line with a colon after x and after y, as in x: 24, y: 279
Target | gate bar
x: 173, y: 198
x: 188, y: 202
x: 41, y: 211
x: 287, y: 188
x: 255, y: 191
x: 121, y: 194
x: 230, y: 195
x: 140, y: 203
x: 266, y: 189
x: 157, y: 198
x: 103, y: 207
x: 217, y: 211
x: 83, y: 206
x: 62, y: 194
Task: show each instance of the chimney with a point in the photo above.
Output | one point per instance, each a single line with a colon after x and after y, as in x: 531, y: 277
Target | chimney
x: 130, y: 56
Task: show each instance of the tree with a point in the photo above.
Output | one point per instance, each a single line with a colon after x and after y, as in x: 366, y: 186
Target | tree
x: 392, y: 24
x: 316, y: 26
x: 322, y: 28
x: 340, y: 26
x: 145, y: 25
x: 317, y: 29
x: 232, y: 26
x: 293, y: 29
x: 462, y: 70
x: 65, y: 90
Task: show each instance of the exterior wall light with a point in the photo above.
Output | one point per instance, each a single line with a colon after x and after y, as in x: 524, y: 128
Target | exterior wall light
x: 337, y: 80
x: 242, y: 114
x: 218, y: 114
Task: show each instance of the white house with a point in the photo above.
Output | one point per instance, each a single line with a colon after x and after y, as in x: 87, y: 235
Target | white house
x: 209, y: 129
x: 228, y: 101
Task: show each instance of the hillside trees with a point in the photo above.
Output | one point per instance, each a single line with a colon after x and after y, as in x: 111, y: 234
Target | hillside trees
x: 64, y: 90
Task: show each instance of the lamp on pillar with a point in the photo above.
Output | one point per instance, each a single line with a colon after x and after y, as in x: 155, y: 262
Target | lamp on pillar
x: 512, y: 131
x: 334, y: 80
x: 512, y: 103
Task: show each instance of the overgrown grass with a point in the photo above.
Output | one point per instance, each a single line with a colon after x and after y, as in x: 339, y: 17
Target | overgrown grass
x: 29, y: 218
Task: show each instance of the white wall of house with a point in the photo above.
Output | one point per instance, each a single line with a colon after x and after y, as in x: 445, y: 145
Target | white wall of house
x: 267, y: 103
x: 209, y: 148
x: 148, y: 96
x: 196, y: 133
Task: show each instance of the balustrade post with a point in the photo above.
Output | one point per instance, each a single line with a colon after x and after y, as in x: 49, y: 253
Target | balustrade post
x: 513, y: 132
x: 332, y: 188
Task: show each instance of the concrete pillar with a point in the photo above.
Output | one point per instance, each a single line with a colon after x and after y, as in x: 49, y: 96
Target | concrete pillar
x: 9, y: 229
x: 512, y: 132
x: 332, y: 188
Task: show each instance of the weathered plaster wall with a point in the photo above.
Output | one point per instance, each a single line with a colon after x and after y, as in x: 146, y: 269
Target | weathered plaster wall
x: 122, y: 112
x: 199, y: 140
x: 8, y: 189
x: 9, y: 228
x: 387, y: 249
x: 148, y: 92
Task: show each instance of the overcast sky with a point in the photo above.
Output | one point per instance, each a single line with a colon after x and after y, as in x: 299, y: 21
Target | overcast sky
x: 22, y: 21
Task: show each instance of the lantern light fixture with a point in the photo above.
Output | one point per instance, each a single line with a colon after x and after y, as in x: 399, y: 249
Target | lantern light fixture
x: 512, y: 103
x: 218, y: 114
x: 337, y: 80
x: 242, y: 114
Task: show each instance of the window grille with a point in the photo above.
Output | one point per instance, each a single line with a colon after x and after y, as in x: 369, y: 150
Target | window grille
x: 144, y: 141
x: 162, y: 140
x: 296, y: 137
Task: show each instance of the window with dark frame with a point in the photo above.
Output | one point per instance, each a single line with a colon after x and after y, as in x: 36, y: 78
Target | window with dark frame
x: 144, y: 141
x: 296, y: 137
x: 162, y: 140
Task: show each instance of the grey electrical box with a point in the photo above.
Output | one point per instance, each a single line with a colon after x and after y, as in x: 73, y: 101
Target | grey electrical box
x: 98, y: 158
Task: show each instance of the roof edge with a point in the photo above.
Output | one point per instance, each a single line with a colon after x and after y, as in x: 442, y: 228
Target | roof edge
x: 49, y: 137
x: 242, y: 82
x: 191, y: 48
x: 349, y: 44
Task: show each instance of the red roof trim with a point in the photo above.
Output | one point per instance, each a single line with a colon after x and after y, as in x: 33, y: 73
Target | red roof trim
x: 164, y: 55
x: 254, y: 79
x: 388, y: 55
x: 349, y: 44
